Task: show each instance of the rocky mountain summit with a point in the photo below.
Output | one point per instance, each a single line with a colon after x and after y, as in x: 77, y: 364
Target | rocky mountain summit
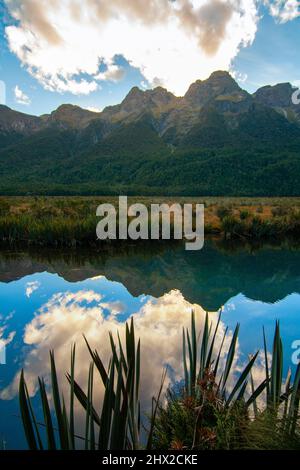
x: 154, y: 141
x: 220, y: 91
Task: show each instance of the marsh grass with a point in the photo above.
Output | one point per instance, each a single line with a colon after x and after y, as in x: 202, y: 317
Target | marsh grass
x: 69, y: 222
x: 204, y: 413
x: 257, y: 228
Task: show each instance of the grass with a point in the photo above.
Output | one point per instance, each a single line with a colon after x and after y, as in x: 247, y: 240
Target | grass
x: 71, y: 221
x: 118, y: 424
x: 213, y: 407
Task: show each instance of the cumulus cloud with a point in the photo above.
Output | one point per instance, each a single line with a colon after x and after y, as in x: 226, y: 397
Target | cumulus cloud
x: 21, y: 97
x: 61, y: 321
x: 113, y: 73
x: 63, y: 43
x: 115, y: 307
x: 284, y: 10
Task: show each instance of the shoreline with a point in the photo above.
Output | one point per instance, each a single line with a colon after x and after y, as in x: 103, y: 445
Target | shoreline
x: 70, y: 222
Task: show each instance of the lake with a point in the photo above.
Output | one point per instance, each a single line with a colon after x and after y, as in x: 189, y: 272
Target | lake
x: 48, y: 300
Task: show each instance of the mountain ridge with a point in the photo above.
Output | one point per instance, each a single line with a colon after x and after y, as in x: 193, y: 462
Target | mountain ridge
x: 217, y: 139
x: 218, y: 79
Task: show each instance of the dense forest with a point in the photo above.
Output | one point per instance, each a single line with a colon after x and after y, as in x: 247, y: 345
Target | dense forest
x: 217, y: 140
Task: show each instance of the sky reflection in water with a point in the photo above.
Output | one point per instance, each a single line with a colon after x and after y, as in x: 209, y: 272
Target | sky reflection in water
x: 42, y: 311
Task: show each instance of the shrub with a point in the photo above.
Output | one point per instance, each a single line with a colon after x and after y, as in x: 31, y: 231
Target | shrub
x: 244, y: 214
x: 280, y: 211
x: 223, y: 212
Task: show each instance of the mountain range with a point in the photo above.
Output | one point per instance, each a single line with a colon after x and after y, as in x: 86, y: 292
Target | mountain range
x: 215, y: 140
x: 208, y: 278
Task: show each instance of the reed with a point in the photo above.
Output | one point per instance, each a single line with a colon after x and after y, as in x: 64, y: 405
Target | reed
x: 215, y: 408
x: 205, y: 414
x: 71, y: 221
x: 118, y: 424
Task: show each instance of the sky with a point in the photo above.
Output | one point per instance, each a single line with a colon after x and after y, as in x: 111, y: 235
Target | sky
x: 92, y: 52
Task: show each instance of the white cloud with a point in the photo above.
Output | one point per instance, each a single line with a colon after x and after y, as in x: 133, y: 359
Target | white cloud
x: 94, y: 109
x: 284, y: 10
x: 240, y: 77
x: 21, y: 97
x: 114, y: 307
x: 8, y: 339
x: 113, y: 73
x: 100, y: 277
x: 172, y: 43
x: 158, y: 323
x: 66, y: 316
x: 144, y: 85
x: 31, y: 287
x: 230, y: 307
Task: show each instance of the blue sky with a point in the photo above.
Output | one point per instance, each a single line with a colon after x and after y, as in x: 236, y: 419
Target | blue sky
x: 263, y: 50
x: 274, y: 55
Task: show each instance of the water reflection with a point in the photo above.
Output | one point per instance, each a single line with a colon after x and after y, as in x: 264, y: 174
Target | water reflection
x: 208, y: 277
x: 49, y: 303
x: 61, y: 321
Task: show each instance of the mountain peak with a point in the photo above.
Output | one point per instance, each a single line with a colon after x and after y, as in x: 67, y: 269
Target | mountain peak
x: 220, y: 74
x: 160, y: 96
x: 135, y: 91
x: 279, y: 95
x: 135, y: 97
x: 154, y: 141
x: 70, y: 108
x: 138, y: 99
x: 17, y: 121
x: 72, y: 115
x: 219, y: 84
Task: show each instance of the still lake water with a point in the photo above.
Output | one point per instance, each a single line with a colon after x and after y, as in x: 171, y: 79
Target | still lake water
x: 47, y: 301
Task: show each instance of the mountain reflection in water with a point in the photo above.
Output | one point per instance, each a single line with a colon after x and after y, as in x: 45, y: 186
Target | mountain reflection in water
x: 48, y: 302
x: 208, y: 277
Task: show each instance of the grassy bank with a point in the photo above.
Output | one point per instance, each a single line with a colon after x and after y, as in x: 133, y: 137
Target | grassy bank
x: 71, y: 221
x: 215, y: 406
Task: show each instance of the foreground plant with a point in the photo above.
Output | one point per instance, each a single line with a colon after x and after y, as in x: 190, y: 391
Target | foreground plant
x: 118, y: 424
x: 204, y: 413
